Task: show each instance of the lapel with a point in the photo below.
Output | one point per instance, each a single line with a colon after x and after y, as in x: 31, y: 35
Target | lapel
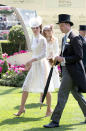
x: 71, y: 36
x: 82, y: 39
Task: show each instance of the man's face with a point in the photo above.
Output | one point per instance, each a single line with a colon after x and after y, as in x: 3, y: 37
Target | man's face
x: 64, y: 27
x: 82, y: 33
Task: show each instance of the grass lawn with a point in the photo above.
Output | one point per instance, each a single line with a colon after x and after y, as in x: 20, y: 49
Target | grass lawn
x: 33, y: 120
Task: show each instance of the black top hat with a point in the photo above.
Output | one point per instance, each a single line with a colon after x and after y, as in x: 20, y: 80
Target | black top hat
x: 82, y: 27
x: 64, y: 18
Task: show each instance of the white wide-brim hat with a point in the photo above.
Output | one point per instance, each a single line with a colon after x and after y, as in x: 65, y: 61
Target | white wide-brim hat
x: 35, y: 22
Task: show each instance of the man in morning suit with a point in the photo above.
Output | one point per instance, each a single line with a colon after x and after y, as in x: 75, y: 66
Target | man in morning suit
x: 82, y: 35
x: 73, y: 73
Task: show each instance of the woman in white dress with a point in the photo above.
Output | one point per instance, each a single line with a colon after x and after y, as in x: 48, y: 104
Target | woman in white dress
x: 52, y: 51
x: 38, y: 68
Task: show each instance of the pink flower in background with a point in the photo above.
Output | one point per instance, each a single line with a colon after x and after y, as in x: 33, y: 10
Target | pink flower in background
x: 15, y: 53
x: 6, y: 73
x: 4, y: 55
x: 22, y: 51
x: 16, y: 69
x: 5, y: 32
x: 19, y: 72
x: 9, y: 64
x: 17, y: 66
x: 0, y: 69
x: 5, y: 8
x: 1, y: 62
x: 9, y: 56
x: 9, y: 69
x: 23, y: 66
x: 21, y: 69
x: 12, y: 67
x: 59, y: 67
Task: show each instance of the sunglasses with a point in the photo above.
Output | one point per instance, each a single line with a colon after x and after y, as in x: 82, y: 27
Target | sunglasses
x: 33, y: 28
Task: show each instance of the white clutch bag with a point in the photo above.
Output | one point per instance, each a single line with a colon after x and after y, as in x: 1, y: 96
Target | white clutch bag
x: 20, y: 59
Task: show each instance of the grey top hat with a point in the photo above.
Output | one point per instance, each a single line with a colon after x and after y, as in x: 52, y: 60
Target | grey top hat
x: 64, y: 18
x: 82, y: 27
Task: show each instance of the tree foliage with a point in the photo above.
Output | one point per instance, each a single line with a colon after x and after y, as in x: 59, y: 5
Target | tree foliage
x: 16, y: 35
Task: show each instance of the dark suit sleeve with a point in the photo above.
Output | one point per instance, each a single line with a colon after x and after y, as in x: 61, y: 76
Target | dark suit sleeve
x: 77, y: 49
x: 84, y: 53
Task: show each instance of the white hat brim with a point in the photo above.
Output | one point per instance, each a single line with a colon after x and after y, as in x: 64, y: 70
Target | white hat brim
x: 35, y: 22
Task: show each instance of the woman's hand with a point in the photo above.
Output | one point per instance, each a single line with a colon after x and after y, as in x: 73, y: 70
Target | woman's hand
x: 28, y: 65
x: 51, y: 61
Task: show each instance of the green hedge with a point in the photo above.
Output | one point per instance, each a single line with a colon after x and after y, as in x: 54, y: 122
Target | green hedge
x: 10, y: 48
x: 6, y: 12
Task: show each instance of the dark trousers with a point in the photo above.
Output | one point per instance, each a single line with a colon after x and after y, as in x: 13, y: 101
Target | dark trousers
x: 66, y: 87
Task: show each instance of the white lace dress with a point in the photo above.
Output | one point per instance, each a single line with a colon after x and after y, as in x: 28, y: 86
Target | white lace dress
x: 37, y: 76
x: 53, y: 51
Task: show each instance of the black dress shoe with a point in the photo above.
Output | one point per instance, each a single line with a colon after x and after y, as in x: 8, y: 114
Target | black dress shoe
x: 52, y: 124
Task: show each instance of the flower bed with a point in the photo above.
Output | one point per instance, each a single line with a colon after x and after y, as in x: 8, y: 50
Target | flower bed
x: 6, y: 10
x: 5, y: 34
x: 15, y: 75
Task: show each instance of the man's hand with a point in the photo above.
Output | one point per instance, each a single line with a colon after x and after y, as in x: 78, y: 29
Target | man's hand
x: 59, y: 59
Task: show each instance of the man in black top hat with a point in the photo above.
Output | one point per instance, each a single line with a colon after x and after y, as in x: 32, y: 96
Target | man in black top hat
x: 73, y: 73
x: 82, y: 35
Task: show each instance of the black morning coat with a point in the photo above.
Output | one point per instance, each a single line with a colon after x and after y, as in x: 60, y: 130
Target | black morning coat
x: 73, y: 53
x: 84, y: 51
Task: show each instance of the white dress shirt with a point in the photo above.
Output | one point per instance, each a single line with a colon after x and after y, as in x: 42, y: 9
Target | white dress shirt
x: 67, y: 35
